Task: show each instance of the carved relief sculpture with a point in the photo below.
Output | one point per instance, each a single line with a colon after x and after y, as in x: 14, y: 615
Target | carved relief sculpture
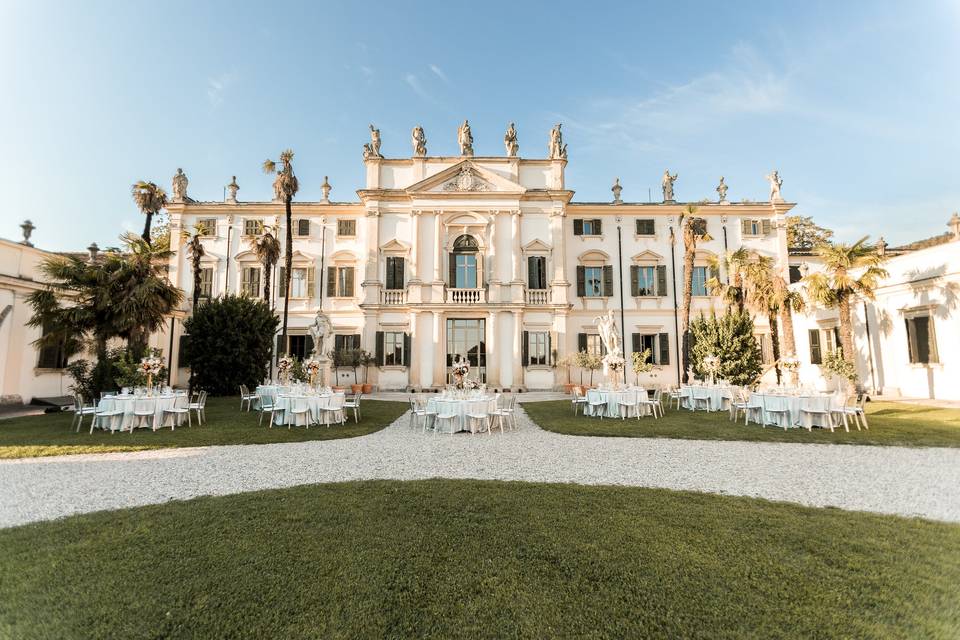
x: 467, y: 180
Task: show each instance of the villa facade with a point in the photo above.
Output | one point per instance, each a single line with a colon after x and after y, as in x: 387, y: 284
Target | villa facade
x: 486, y: 257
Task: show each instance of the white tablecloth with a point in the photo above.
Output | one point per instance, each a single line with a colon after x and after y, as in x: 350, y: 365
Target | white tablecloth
x: 795, y: 405
x: 611, y: 400
x: 286, y: 402
x: 127, y: 404
x: 715, y: 395
x: 459, y: 408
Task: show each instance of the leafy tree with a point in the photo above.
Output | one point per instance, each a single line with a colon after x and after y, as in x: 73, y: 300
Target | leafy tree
x: 195, y: 253
x: 150, y: 200
x: 285, y: 186
x: 730, y: 338
x: 732, y: 292
x: 229, y: 343
x: 267, y: 249
x: 765, y: 295
x: 848, y: 270
x: 804, y: 233
x: 694, y: 231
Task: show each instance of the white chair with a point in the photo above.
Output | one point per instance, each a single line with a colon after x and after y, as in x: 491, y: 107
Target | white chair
x: 754, y: 409
x: 268, y: 405
x: 699, y: 397
x: 334, y: 410
x: 578, y: 400
x: 144, y: 410
x: 675, y: 395
x: 246, y: 396
x: 627, y: 401
x: 200, y: 407
x: 779, y: 416
x: 176, y: 412
x: 655, y: 405
x: 299, y: 410
x: 507, y: 409
x: 739, y: 403
x: 108, y: 412
x: 354, y: 403
x: 80, y: 409
x: 478, y: 411
x: 858, y: 410
x: 445, y: 416
x: 809, y: 411
x: 598, y: 405
x: 419, y: 411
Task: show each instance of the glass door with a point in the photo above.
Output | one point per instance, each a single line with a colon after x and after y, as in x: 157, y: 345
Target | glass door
x: 467, y: 338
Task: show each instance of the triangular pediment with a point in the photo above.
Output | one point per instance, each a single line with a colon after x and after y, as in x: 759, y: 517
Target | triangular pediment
x: 394, y: 246
x: 465, y: 177
x: 647, y: 256
x: 537, y: 246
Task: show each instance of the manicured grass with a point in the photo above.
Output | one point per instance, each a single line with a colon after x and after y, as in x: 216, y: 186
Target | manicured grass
x: 468, y: 559
x: 51, y: 435
x: 890, y: 424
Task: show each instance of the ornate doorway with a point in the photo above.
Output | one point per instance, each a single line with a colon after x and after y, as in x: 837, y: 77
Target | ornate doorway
x: 467, y: 337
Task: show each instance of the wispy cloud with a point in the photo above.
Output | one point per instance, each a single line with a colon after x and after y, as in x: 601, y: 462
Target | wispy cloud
x: 217, y: 86
x: 366, y: 71
x: 439, y: 73
x: 417, y: 86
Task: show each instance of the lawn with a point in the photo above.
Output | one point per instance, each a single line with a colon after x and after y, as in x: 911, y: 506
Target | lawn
x: 51, y: 435
x: 890, y: 424
x: 469, y: 559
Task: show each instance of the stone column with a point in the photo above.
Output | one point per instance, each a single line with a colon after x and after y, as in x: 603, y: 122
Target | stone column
x: 493, y: 358
x: 413, y: 374
x: 437, y: 248
x: 439, y: 351
x: 371, y: 281
x: 515, y: 221
x: 516, y: 364
x: 416, y: 253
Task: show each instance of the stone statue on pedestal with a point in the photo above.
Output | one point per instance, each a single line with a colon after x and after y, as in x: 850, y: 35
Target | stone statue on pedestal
x: 667, y: 184
x: 609, y: 334
x: 558, y: 150
x: 510, y: 141
x: 372, y: 148
x: 180, y: 183
x: 319, y: 331
x: 232, y: 189
x: 775, y: 183
x: 325, y: 190
x: 617, y: 189
x: 465, y: 139
x: 419, y: 140
x: 722, y: 190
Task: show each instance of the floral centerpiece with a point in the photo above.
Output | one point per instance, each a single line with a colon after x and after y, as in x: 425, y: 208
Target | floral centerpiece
x: 613, y: 365
x: 312, y: 368
x: 711, y: 365
x: 284, y: 367
x: 790, y: 363
x: 151, y: 366
x: 459, y: 371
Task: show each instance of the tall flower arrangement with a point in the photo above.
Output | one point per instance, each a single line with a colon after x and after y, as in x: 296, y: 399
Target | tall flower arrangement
x: 284, y: 367
x: 151, y: 366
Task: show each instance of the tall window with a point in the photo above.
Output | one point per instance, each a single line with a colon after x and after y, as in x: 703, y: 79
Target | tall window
x: 341, y: 342
x: 816, y: 354
x: 587, y: 227
x: 207, y: 226
x: 302, y: 228
x: 537, y: 272
x: 252, y: 227
x: 657, y: 343
x: 393, y: 348
x: 206, y: 283
x: 921, y: 340
x: 463, y: 263
x: 536, y: 348
x: 250, y: 281
x: 340, y: 282
x: 301, y: 282
x: 595, y: 345
x: 643, y: 281
x: 700, y: 277
x: 395, y: 266
x: 346, y: 228
x: 795, y: 274
x: 52, y: 356
x: 593, y: 281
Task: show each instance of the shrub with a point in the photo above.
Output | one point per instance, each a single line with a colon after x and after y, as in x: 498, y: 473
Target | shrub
x: 229, y: 344
x: 730, y: 338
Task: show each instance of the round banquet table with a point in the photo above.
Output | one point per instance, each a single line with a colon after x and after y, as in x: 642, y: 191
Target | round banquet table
x: 126, y: 403
x: 796, y: 404
x: 459, y: 408
x: 284, y: 402
x: 611, y: 399
x: 715, y: 395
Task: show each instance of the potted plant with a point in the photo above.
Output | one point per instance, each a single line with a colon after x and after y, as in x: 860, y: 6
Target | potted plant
x: 338, y: 359
x: 641, y: 363
x: 354, y: 358
x: 566, y: 362
x: 366, y: 360
x: 838, y: 367
x: 592, y: 362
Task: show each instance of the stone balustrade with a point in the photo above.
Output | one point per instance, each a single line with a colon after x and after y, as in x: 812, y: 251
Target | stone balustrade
x: 538, y: 296
x: 466, y: 296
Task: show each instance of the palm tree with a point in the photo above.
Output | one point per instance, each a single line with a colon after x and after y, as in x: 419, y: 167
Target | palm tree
x: 790, y: 301
x: 694, y: 230
x: 848, y: 270
x: 150, y: 200
x: 765, y: 297
x: 732, y: 292
x: 285, y: 186
x: 195, y: 253
x: 267, y: 249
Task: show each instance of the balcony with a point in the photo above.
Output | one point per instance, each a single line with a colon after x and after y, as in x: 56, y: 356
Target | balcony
x: 536, y: 297
x: 466, y: 296
x: 393, y: 297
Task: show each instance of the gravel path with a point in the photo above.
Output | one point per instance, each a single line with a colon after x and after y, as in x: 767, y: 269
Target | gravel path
x: 894, y: 480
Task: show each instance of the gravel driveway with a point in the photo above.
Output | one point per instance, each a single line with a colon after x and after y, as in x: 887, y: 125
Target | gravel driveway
x: 894, y: 480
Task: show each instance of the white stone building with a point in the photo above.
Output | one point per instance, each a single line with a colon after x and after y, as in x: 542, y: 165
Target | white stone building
x: 487, y: 257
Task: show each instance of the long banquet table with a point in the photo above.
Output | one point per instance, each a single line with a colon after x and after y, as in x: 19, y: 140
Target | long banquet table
x: 128, y: 403
x: 611, y: 401
x: 796, y: 404
x: 284, y: 403
x: 715, y: 395
x: 459, y: 408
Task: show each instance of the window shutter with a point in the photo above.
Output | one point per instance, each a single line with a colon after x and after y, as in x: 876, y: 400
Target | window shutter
x: 767, y: 225
x: 532, y: 272
x: 598, y: 227
x: 836, y: 339
x: 815, y: 356
x: 608, y: 281
x: 636, y: 346
x: 661, y: 279
x: 331, y: 282
x: 663, y: 340
x: 550, y: 359
x: 634, y: 280
x: 745, y: 227
x: 453, y: 270
x: 526, y: 349
x: 355, y: 339
x: 281, y: 283
x: 581, y: 281
x: 307, y: 346
x: 581, y: 342
x: 578, y: 227
x: 379, y: 353
x: 406, y: 349
x: 311, y: 282
x: 280, y: 350
x: 398, y: 268
x: 639, y: 227
x: 349, y: 282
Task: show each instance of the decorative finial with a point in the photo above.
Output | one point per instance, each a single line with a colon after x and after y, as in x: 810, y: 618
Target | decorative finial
x: 616, y: 188
x: 232, y: 189
x: 954, y: 225
x: 881, y: 246
x: 325, y: 190
x: 93, y: 250
x: 722, y: 191
x: 27, y: 228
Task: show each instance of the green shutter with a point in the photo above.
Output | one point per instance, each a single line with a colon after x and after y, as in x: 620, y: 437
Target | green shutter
x: 581, y: 342
x: 526, y: 349
x: 636, y: 344
x: 349, y: 283
x: 598, y: 227
x: 634, y: 280
x: 453, y: 270
x: 745, y: 227
x: 815, y: 353
x: 280, y: 350
x: 379, y: 350
x: 581, y: 281
x: 406, y: 350
x: 578, y: 227
x: 766, y: 225
x: 661, y: 280
x: 608, y: 281
x: 664, y: 343
x: 307, y: 346
x: 331, y: 282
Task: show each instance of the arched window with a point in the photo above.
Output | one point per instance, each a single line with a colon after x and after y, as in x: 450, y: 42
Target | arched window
x: 463, y: 263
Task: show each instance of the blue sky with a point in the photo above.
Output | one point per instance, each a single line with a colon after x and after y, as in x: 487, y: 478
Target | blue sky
x: 856, y: 105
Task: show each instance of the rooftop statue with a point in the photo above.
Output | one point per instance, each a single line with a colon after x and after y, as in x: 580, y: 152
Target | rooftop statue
x: 667, y: 184
x: 722, y: 190
x: 510, y: 141
x: 232, y: 189
x: 419, y: 140
x: 558, y: 150
x: 372, y: 148
x: 775, y: 183
x: 465, y: 139
x: 180, y: 183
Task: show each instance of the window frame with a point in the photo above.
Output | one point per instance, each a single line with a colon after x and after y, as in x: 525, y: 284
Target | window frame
x: 913, y: 344
x: 206, y: 284
x: 694, y: 291
x: 653, y: 227
x: 588, y: 282
x: 207, y: 226
x: 297, y: 228
x: 340, y: 224
x: 245, y: 282
x: 393, y: 348
x: 538, y: 349
x: 247, y: 222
